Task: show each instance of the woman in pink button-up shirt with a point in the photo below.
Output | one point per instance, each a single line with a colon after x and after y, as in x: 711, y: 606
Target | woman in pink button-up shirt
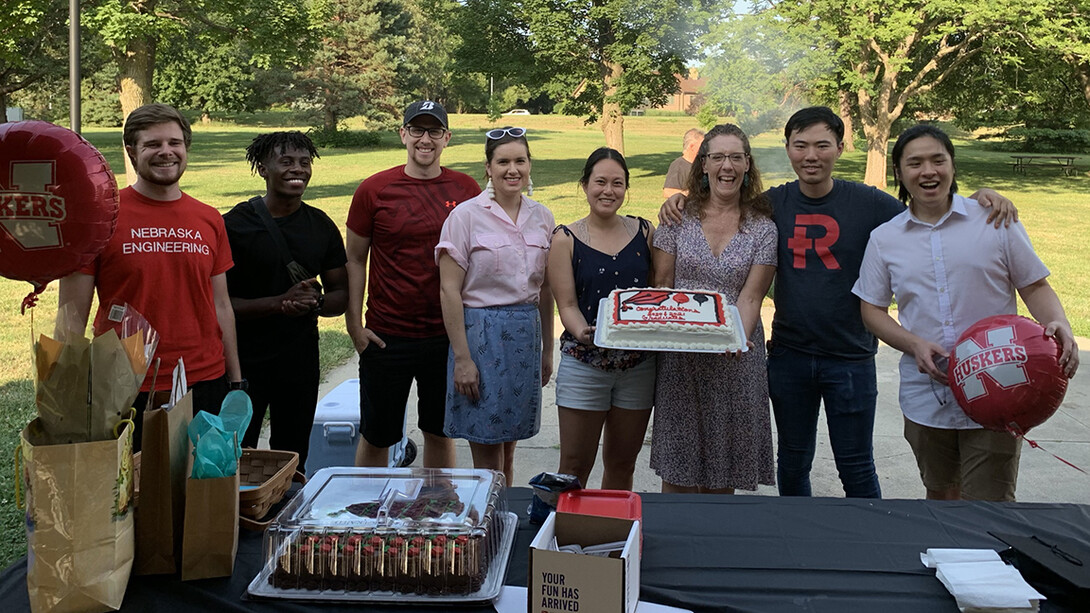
x: 497, y: 307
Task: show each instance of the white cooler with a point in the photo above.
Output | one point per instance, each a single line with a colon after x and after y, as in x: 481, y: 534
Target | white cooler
x: 336, y: 431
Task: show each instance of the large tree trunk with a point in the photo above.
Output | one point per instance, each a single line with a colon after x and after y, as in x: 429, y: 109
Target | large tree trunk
x: 612, y: 117
x: 877, y: 141
x: 329, y: 113
x: 137, y: 64
x: 1082, y: 70
x: 846, y: 117
x: 877, y: 121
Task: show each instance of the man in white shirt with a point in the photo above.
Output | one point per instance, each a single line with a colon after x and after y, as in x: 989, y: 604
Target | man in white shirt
x: 948, y: 269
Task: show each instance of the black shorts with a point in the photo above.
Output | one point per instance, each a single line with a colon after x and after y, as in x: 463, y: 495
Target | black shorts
x: 386, y: 375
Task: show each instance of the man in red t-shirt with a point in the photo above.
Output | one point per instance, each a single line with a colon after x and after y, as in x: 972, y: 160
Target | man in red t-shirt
x: 167, y: 259
x: 395, y: 220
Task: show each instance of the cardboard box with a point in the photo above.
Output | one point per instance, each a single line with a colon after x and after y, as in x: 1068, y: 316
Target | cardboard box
x: 562, y: 582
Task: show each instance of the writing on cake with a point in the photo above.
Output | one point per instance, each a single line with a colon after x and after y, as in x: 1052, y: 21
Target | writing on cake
x: 669, y: 319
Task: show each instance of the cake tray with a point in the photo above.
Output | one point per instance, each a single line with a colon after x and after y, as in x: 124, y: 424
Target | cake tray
x: 260, y: 587
x: 729, y: 310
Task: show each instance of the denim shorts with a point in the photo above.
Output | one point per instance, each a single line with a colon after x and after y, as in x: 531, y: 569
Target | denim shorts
x: 582, y: 386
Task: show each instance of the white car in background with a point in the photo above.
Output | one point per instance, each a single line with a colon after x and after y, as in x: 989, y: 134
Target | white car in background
x: 517, y: 112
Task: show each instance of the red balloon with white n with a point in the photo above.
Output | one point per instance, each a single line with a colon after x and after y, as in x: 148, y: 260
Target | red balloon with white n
x: 58, y: 202
x: 1005, y: 373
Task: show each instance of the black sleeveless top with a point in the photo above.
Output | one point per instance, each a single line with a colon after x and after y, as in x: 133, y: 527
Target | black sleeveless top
x: 596, y: 275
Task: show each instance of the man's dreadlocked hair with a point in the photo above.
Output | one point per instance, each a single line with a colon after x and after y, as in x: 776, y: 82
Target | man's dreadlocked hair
x: 277, y: 142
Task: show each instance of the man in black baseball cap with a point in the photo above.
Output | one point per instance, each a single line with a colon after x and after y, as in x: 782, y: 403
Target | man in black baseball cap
x: 425, y: 107
x: 394, y: 221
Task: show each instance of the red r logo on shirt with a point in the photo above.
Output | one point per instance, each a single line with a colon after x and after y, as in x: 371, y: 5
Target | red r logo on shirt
x: 451, y: 203
x: 800, y: 244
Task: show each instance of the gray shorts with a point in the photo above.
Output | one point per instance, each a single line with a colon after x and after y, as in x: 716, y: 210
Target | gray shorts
x: 582, y: 386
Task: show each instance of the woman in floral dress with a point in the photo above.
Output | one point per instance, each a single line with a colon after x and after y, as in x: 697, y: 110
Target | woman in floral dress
x: 712, y: 431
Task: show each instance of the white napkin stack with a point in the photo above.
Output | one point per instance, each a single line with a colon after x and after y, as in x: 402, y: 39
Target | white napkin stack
x: 980, y: 581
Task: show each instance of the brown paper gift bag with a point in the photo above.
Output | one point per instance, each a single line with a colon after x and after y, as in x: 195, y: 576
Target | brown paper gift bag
x: 161, y: 509
x: 79, y: 521
x: 210, y: 541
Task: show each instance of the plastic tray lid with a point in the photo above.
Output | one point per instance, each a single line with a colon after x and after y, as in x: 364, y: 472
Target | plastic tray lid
x: 368, y: 498
x: 607, y: 503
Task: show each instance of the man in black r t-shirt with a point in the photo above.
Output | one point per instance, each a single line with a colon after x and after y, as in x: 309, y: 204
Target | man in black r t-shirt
x: 277, y: 304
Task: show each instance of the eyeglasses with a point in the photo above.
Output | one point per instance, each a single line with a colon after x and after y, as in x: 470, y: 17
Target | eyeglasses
x: 499, y: 133
x: 417, y: 132
x: 735, y: 158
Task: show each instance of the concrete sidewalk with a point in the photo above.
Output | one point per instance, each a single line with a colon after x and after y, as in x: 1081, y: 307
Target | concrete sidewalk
x: 1042, y: 477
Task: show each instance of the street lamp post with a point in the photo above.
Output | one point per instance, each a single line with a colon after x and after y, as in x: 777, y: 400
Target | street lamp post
x: 73, y: 66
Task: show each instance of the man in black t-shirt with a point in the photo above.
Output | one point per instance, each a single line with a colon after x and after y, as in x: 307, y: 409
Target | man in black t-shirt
x: 277, y: 304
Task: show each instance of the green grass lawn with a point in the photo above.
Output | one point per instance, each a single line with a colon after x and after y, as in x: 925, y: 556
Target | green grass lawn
x: 1050, y: 206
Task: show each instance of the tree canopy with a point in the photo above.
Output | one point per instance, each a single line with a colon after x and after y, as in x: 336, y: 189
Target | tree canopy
x: 889, y: 53
x: 984, y: 62
x: 276, y: 32
x: 601, y: 58
x: 357, y: 67
x: 34, y: 45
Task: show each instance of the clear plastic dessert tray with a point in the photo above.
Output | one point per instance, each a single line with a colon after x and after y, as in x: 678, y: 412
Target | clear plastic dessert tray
x: 396, y: 535
x: 729, y: 311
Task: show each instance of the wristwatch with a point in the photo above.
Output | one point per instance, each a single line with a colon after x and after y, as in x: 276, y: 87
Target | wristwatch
x: 242, y: 385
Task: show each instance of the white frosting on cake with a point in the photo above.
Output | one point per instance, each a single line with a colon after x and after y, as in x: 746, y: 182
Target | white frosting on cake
x: 665, y: 319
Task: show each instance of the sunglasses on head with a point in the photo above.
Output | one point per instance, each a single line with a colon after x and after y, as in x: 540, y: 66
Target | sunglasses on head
x: 499, y: 133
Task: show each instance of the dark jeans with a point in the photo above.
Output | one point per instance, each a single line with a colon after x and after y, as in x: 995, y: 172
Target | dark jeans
x: 288, y: 387
x: 798, y: 383
x: 207, y: 396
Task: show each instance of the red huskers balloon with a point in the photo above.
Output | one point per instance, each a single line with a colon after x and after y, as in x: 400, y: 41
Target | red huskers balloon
x: 58, y: 202
x: 1005, y: 373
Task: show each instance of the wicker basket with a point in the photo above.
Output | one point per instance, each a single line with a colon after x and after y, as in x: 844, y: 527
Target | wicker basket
x: 271, y: 472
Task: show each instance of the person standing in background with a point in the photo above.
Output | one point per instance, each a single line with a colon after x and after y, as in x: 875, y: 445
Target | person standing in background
x: 678, y: 174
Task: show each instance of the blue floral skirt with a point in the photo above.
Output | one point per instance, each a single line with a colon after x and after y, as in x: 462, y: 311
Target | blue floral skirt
x: 505, y: 343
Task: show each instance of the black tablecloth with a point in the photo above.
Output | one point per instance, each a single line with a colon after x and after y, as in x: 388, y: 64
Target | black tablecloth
x: 717, y: 553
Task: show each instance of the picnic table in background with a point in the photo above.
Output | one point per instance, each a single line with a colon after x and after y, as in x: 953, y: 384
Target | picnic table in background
x: 1066, y: 163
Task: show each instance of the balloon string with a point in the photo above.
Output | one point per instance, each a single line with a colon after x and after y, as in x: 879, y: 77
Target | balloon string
x: 1015, y: 430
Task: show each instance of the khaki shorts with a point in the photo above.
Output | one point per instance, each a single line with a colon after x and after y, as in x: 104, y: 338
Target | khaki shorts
x: 983, y: 463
